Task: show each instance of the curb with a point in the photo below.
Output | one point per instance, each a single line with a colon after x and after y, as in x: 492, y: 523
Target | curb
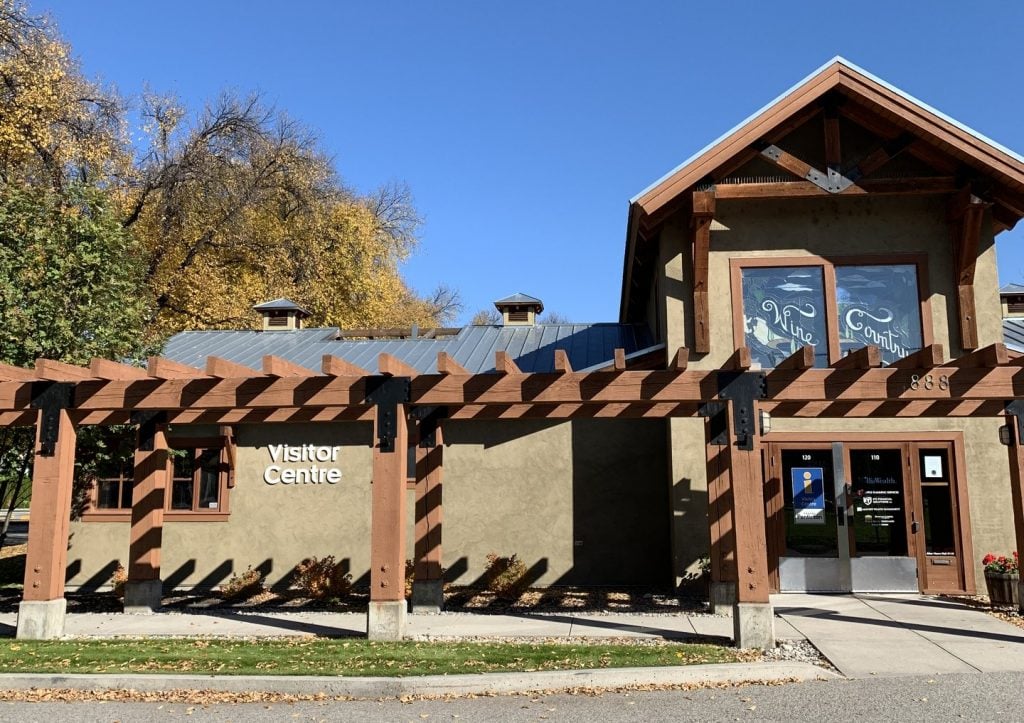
x: 468, y: 684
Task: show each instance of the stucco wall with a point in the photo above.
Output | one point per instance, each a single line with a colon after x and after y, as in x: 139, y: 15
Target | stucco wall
x: 580, y: 503
x: 829, y: 227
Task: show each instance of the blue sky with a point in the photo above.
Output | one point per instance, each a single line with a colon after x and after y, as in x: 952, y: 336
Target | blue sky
x: 525, y: 127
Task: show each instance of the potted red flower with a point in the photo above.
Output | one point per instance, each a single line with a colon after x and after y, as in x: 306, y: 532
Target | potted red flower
x: 1002, y: 575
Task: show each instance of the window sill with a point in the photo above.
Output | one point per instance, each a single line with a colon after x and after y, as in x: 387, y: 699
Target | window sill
x: 169, y: 516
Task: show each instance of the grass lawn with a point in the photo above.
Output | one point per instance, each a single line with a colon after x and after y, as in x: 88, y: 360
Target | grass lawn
x: 337, y: 657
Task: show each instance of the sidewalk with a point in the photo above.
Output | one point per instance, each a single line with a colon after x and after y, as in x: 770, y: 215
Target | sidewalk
x: 892, y: 635
x: 230, y: 623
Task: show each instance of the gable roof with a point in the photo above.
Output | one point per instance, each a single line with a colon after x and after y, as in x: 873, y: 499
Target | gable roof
x: 896, y: 108
x: 1012, y: 289
x: 281, y: 304
x: 840, y: 74
x: 521, y: 299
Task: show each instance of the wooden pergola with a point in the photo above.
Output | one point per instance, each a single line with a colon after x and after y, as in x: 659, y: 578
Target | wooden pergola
x: 57, y: 398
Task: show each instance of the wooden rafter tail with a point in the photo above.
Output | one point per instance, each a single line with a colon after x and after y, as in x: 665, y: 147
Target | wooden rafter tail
x: 619, y: 360
x: 275, y: 366
x: 224, y: 369
x: 867, y: 357
x: 680, y: 360
x: 562, y: 365
x: 447, y: 365
x: 503, y: 363
x: 159, y: 367
x: 393, y: 367
x: 56, y: 371
x: 929, y: 357
x: 987, y: 357
x: 739, y: 361
x: 111, y: 370
x: 800, y: 360
x: 10, y: 373
x: 334, y: 366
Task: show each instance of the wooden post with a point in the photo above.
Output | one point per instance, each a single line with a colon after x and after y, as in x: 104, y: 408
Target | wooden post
x: 722, y: 552
x: 41, y: 612
x: 386, y: 617
x: 1016, y: 453
x: 428, y: 586
x: 703, y: 215
x: 143, y: 589
x: 752, y: 615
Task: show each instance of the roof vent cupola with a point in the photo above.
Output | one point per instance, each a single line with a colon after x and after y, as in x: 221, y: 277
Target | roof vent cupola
x: 519, y: 310
x: 281, y: 315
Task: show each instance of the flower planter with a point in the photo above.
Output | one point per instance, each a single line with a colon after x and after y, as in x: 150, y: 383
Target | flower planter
x: 1002, y: 588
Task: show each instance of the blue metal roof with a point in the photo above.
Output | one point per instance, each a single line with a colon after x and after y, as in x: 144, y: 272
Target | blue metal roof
x: 1012, y: 289
x: 1013, y: 334
x: 281, y: 304
x: 532, y: 347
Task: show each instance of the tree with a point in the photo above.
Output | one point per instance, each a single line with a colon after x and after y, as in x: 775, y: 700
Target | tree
x: 553, y: 317
x: 486, y: 317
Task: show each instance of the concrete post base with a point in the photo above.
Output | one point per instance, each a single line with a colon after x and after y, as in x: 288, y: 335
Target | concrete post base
x: 142, y: 596
x: 427, y: 596
x: 386, y: 620
x: 722, y: 596
x: 753, y: 625
x: 41, y: 619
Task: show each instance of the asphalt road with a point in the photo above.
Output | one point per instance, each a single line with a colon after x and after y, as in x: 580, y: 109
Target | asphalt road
x: 974, y: 697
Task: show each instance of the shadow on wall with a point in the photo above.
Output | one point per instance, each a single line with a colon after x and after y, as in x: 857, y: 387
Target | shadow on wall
x: 621, y: 534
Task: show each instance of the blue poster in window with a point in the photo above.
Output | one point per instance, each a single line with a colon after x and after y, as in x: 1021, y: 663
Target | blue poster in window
x: 808, y: 496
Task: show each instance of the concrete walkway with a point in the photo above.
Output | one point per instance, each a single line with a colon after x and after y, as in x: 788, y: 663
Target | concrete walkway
x: 892, y: 635
x: 273, y: 624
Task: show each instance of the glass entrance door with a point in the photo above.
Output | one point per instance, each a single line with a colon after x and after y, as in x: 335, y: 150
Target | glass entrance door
x: 881, y: 520
x: 843, y: 522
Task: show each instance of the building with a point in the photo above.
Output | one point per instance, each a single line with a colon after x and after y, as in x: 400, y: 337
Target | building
x: 807, y: 390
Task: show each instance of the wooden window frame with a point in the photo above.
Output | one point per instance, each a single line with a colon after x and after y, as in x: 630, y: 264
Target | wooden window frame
x: 828, y: 266
x: 225, y: 442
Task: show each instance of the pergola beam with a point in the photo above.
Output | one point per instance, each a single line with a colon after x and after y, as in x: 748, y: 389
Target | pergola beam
x: 56, y: 371
x: 447, y: 365
x: 106, y: 369
x: 159, y: 367
x: 391, y: 366
x: 275, y: 366
x: 333, y: 366
x: 225, y: 369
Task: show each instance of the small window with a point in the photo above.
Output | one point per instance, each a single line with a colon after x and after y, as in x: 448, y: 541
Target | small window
x: 199, y: 476
x: 879, y: 305
x: 277, y: 318
x: 519, y: 315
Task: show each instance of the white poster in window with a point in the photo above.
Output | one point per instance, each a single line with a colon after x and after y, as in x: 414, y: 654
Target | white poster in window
x: 933, y: 466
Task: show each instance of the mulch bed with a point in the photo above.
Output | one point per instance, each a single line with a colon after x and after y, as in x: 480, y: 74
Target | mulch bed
x: 1006, y: 614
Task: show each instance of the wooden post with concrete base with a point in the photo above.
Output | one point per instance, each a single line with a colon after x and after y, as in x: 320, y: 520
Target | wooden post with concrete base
x: 43, y: 607
x: 387, y: 613
x: 722, y: 552
x: 1016, y: 438
x: 144, y: 589
x: 428, y: 585
x: 753, y: 618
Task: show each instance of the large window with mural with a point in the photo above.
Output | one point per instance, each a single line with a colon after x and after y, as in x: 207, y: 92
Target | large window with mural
x: 834, y: 305
x: 783, y: 310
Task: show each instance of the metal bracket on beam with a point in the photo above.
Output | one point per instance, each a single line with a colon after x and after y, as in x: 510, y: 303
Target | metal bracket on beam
x: 386, y: 393
x: 1016, y: 410
x: 429, y: 419
x: 148, y: 422
x: 743, y: 389
x: 50, y: 398
x: 718, y: 422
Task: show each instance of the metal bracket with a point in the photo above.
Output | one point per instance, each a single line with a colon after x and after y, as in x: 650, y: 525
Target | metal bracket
x: 1016, y: 410
x: 50, y: 398
x: 718, y: 424
x: 742, y: 389
x: 429, y: 419
x: 148, y: 422
x: 386, y: 393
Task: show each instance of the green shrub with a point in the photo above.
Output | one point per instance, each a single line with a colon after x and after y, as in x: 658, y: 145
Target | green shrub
x: 505, y: 576
x: 242, y: 586
x: 320, y: 578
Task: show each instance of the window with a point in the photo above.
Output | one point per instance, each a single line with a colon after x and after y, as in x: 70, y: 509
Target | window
x: 837, y: 306
x: 199, y: 477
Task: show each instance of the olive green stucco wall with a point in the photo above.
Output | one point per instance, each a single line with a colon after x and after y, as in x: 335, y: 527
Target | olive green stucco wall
x: 580, y: 503
x: 829, y: 227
